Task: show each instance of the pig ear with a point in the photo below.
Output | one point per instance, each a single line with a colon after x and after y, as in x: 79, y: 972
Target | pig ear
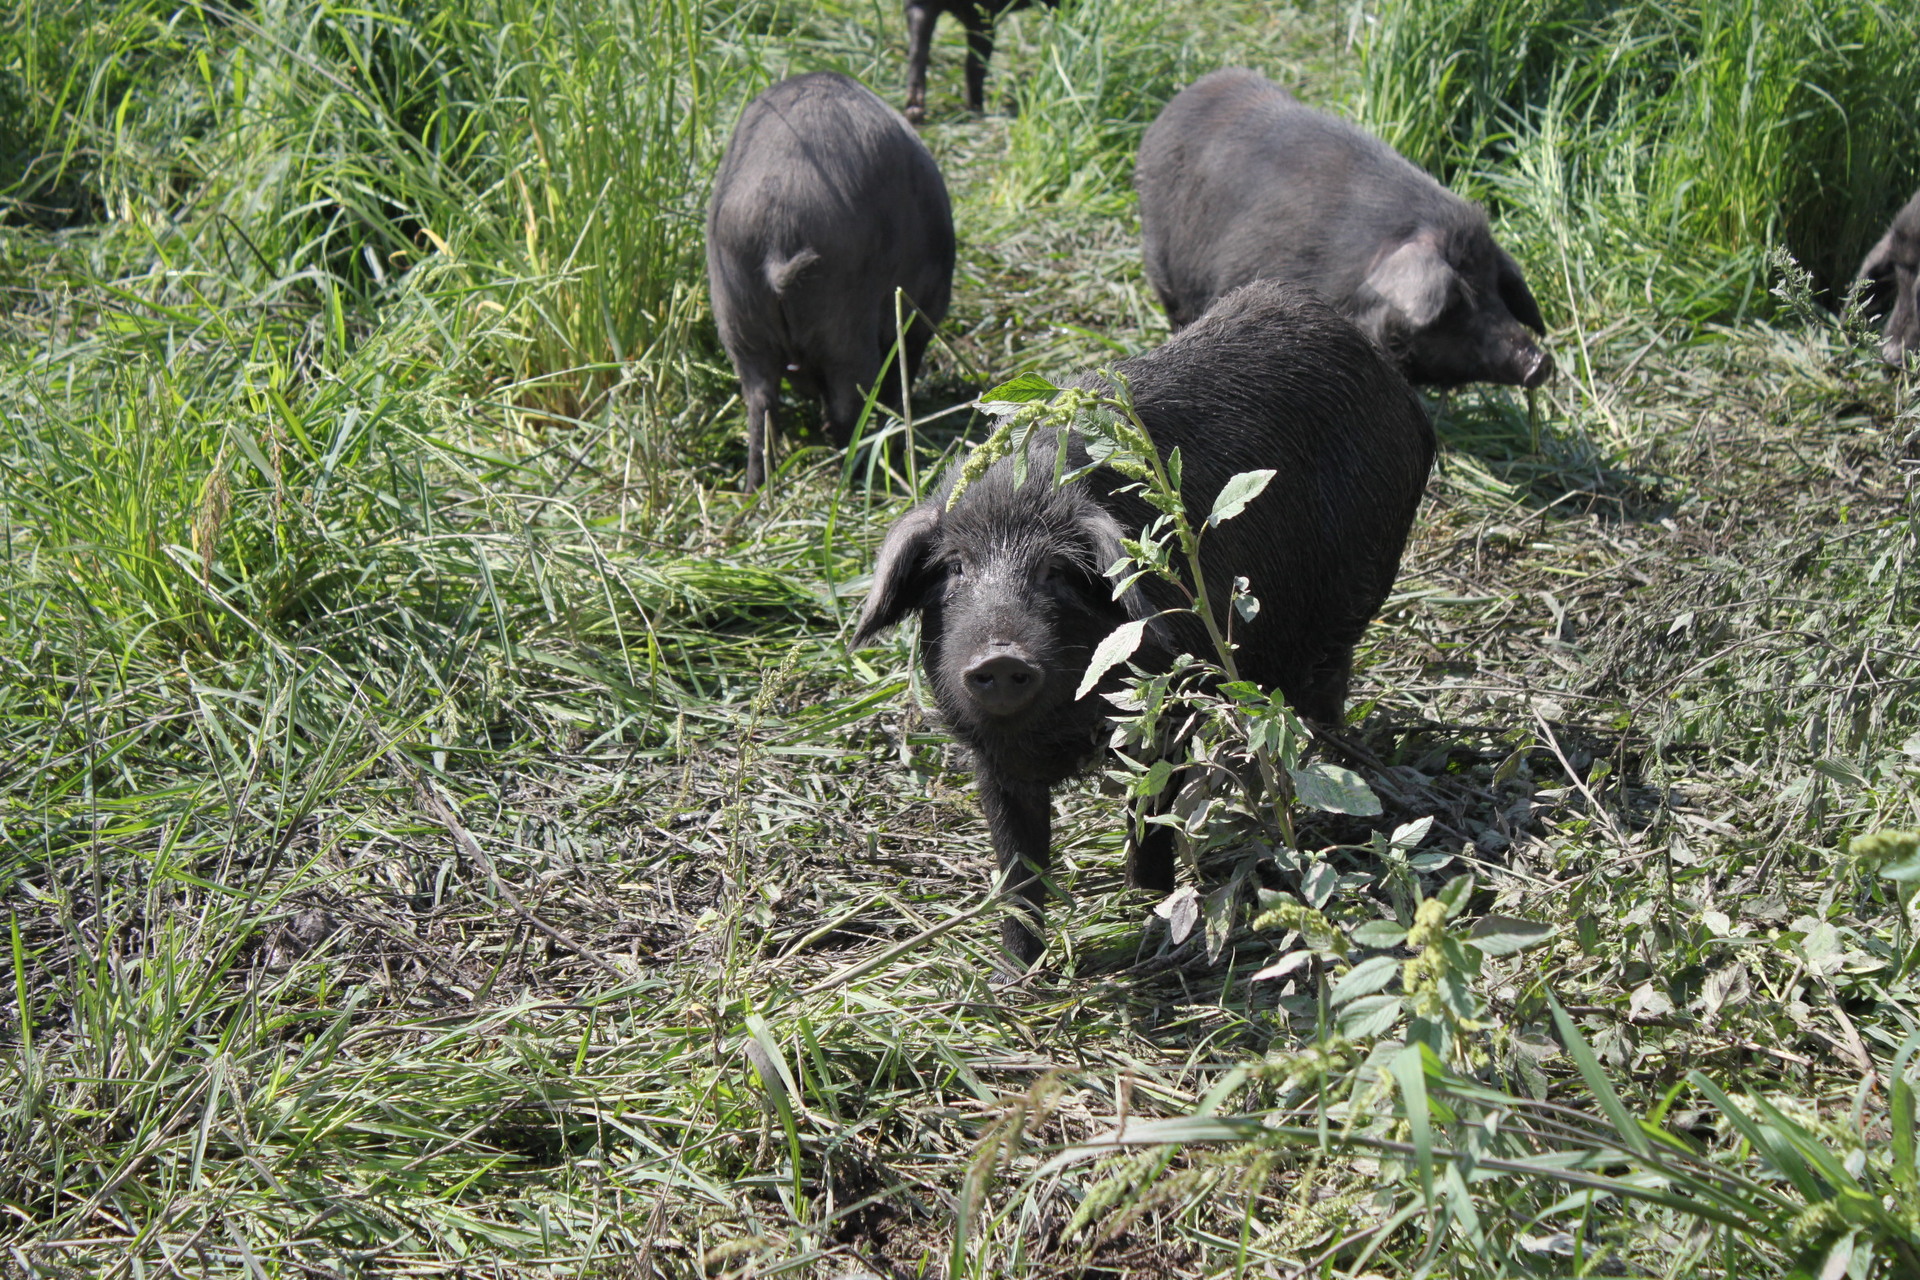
x: 1414, y: 280
x: 1514, y: 292
x: 899, y: 570
x: 1105, y: 534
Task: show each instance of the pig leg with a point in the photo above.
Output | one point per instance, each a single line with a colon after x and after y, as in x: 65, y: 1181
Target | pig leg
x: 979, y: 50
x: 1150, y: 847
x: 845, y: 398
x: 920, y: 20
x: 762, y: 395
x: 1324, y: 699
x: 1021, y: 822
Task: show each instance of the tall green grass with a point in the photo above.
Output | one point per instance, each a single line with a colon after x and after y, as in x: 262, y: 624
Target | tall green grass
x: 545, y: 163
x: 1103, y: 73
x: 1664, y: 146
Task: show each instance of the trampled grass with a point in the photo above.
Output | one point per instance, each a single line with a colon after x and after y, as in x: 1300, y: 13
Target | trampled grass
x: 443, y: 830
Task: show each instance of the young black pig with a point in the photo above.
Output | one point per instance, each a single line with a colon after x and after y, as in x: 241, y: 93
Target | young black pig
x: 1892, y: 275
x: 977, y: 17
x: 1240, y: 182
x: 825, y: 203
x: 1010, y: 587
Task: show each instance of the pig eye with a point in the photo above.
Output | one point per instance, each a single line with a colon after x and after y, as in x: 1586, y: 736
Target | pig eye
x: 1065, y: 579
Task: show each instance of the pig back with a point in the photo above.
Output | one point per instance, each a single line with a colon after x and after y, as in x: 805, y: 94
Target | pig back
x: 1238, y: 181
x: 1273, y: 377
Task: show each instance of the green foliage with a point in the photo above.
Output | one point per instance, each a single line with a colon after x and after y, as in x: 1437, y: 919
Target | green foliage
x: 1105, y: 70
x: 1672, y: 143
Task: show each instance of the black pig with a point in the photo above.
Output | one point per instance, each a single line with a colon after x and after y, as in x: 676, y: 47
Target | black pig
x: 977, y: 16
x: 825, y: 203
x: 1238, y: 182
x: 1892, y: 276
x: 1010, y: 584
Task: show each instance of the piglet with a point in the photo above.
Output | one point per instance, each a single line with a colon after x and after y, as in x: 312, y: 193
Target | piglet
x: 1238, y: 181
x: 1010, y: 581
x: 825, y: 203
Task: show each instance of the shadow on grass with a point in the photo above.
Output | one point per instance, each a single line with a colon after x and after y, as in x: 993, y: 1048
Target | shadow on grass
x: 1547, y: 464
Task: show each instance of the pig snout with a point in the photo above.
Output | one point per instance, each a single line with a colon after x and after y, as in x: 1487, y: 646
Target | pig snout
x: 1003, y: 680
x: 1534, y: 367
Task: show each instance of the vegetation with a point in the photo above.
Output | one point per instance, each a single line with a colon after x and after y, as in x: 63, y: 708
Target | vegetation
x: 443, y: 829
x: 1658, y: 150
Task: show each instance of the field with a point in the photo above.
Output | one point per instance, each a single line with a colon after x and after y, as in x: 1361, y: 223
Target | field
x: 444, y: 830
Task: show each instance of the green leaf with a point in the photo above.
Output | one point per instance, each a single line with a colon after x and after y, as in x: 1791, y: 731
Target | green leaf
x: 1363, y: 979
x: 1456, y: 892
x: 1900, y: 1117
x: 1894, y: 855
x: 1181, y: 911
x: 1900, y: 1120
x: 1115, y: 649
x: 1368, y: 1017
x: 1903, y: 871
x: 1842, y: 772
x: 1797, y: 1143
x: 1154, y: 780
x: 1014, y: 392
x: 1598, y: 1085
x: 1408, y: 835
x: 1244, y: 603
x: 1218, y: 911
x: 1332, y: 789
x: 1318, y: 884
x: 1505, y: 935
x: 777, y: 1084
x: 1236, y: 493
x: 1409, y: 1068
x: 1379, y: 933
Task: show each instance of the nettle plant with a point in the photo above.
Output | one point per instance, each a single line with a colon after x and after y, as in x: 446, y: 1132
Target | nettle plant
x: 1225, y: 764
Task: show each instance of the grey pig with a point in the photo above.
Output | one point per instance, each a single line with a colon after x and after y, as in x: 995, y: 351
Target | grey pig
x: 1238, y: 181
x: 1010, y: 584
x: 1892, y: 276
x: 977, y: 16
x: 824, y: 204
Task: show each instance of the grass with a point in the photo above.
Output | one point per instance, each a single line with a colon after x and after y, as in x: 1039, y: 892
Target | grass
x: 442, y: 828
x: 1676, y: 144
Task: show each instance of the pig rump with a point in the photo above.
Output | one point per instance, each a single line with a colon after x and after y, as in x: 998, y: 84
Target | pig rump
x: 824, y: 204
x: 1009, y: 583
x: 1891, y: 275
x: 1240, y: 182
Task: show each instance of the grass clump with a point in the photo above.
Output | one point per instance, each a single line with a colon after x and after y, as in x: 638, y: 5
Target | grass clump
x: 1103, y: 73
x: 1676, y: 143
